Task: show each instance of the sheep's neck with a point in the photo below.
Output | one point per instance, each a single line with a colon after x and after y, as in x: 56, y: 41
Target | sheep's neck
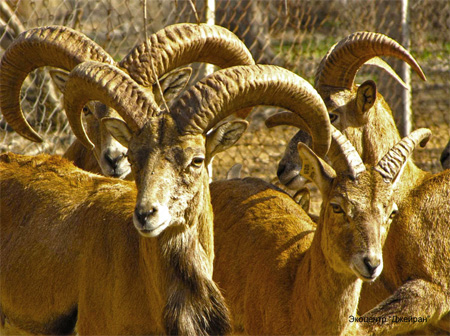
x: 323, y: 299
x: 192, y: 304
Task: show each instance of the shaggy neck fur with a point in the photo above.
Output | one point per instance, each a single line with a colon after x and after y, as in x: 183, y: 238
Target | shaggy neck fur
x: 193, y: 303
x: 323, y: 299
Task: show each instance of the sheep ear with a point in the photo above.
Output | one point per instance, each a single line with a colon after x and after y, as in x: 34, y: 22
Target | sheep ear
x: 172, y: 84
x: 59, y: 77
x: 315, y: 169
x: 118, y: 129
x: 224, y: 136
x: 366, y: 96
x: 234, y: 172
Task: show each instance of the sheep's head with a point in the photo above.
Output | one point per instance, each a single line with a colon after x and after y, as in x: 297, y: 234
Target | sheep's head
x: 357, y: 202
x: 169, y: 150
x: 110, y: 154
x: 148, y: 62
x: 170, y: 169
x: 353, y: 107
x: 357, y: 205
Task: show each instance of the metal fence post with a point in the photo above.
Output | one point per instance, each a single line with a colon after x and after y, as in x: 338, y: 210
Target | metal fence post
x: 210, y: 15
x: 406, y: 122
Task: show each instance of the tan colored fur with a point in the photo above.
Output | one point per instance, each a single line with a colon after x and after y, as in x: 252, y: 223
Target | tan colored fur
x: 282, y: 274
x: 76, y: 250
x: 372, y: 133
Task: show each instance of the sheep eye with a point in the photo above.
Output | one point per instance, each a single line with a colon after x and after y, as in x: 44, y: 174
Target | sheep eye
x: 86, y: 110
x: 197, y: 162
x: 333, y: 117
x: 393, y: 214
x: 336, y: 208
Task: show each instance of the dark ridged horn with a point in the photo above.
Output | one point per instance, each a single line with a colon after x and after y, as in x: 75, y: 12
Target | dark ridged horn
x: 55, y: 46
x: 338, y: 68
x: 215, y: 97
x: 342, y: 155
x: 392, y: 163
x: 181, y: 44
x: 111, y: 86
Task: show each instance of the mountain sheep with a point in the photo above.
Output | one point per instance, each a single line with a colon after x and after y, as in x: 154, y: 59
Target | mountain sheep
x: 283, y: 274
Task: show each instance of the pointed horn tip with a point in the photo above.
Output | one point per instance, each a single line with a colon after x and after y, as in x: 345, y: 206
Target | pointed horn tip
x: 33, y: 137
x: 426, y: 137
x: 270, y: 123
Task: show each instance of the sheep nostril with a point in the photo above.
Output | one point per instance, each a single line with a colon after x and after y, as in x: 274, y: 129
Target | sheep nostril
x: 371, y: 264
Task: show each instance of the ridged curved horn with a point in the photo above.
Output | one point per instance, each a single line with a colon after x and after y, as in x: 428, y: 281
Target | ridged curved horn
x: 55, y: 46
x: 342, y: 155
x: 338, y: 68
x: 181, y: 44
x: 114, y: 88
x: 286, y: 118
x: 392, y: 163
x: 215, y: 97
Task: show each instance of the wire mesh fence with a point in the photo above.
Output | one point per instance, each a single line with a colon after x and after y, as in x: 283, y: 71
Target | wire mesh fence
x: 295, y: 34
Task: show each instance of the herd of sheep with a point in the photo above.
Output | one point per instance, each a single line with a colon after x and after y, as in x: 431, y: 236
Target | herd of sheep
x: 125, y: 235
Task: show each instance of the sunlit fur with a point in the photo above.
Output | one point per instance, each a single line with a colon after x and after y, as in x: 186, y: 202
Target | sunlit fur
x: 372, y: 133
x: 282, y: 274
x: 69, y: 247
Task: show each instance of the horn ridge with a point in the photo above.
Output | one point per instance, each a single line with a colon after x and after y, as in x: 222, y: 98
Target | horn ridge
x: 343, y: 156
x: 220, y: 94
x: 112, y: 86
x: 338, y: 68
x: 392, y: 162
x: 181, y: 44
x: 56, y: 46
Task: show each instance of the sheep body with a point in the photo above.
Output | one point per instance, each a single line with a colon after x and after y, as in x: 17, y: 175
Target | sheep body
x: 110, y: 264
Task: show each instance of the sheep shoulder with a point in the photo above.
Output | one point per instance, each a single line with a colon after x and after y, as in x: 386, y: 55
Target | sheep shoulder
x: 257, y: 227
x: 51, y: 206
x: 426, y: 209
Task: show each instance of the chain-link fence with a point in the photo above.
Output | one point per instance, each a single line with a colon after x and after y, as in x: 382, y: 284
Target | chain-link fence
x: 294, y: 34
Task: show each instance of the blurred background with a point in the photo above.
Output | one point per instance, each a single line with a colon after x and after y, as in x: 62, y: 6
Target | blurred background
x: 295, y: 34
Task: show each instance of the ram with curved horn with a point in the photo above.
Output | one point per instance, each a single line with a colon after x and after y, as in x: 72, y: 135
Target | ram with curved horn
x: 62, y: 47
x: 168, y: 151
x: 360, y: 106
x: 367, y: 121
x: 282, y: 274
x: 359, y: 111
x: 416, y: 278
x: 109, y: 156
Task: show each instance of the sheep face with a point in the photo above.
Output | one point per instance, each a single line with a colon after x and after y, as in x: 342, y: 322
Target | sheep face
x: 111, y: 154
x: 170, y: 175
x: 170, y: 170
x: 356, y: 219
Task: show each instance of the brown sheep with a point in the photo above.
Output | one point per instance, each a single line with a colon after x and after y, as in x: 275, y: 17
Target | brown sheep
x: 363, y: 115
x: 168, y: 151
x: 280, y: 273
x: 146, y: 63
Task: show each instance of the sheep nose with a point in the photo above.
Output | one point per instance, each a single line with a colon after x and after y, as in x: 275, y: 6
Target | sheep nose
x: 113, y: 160
x: 143, y: 216
x: 281, y: 169
x: 372, y: 263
